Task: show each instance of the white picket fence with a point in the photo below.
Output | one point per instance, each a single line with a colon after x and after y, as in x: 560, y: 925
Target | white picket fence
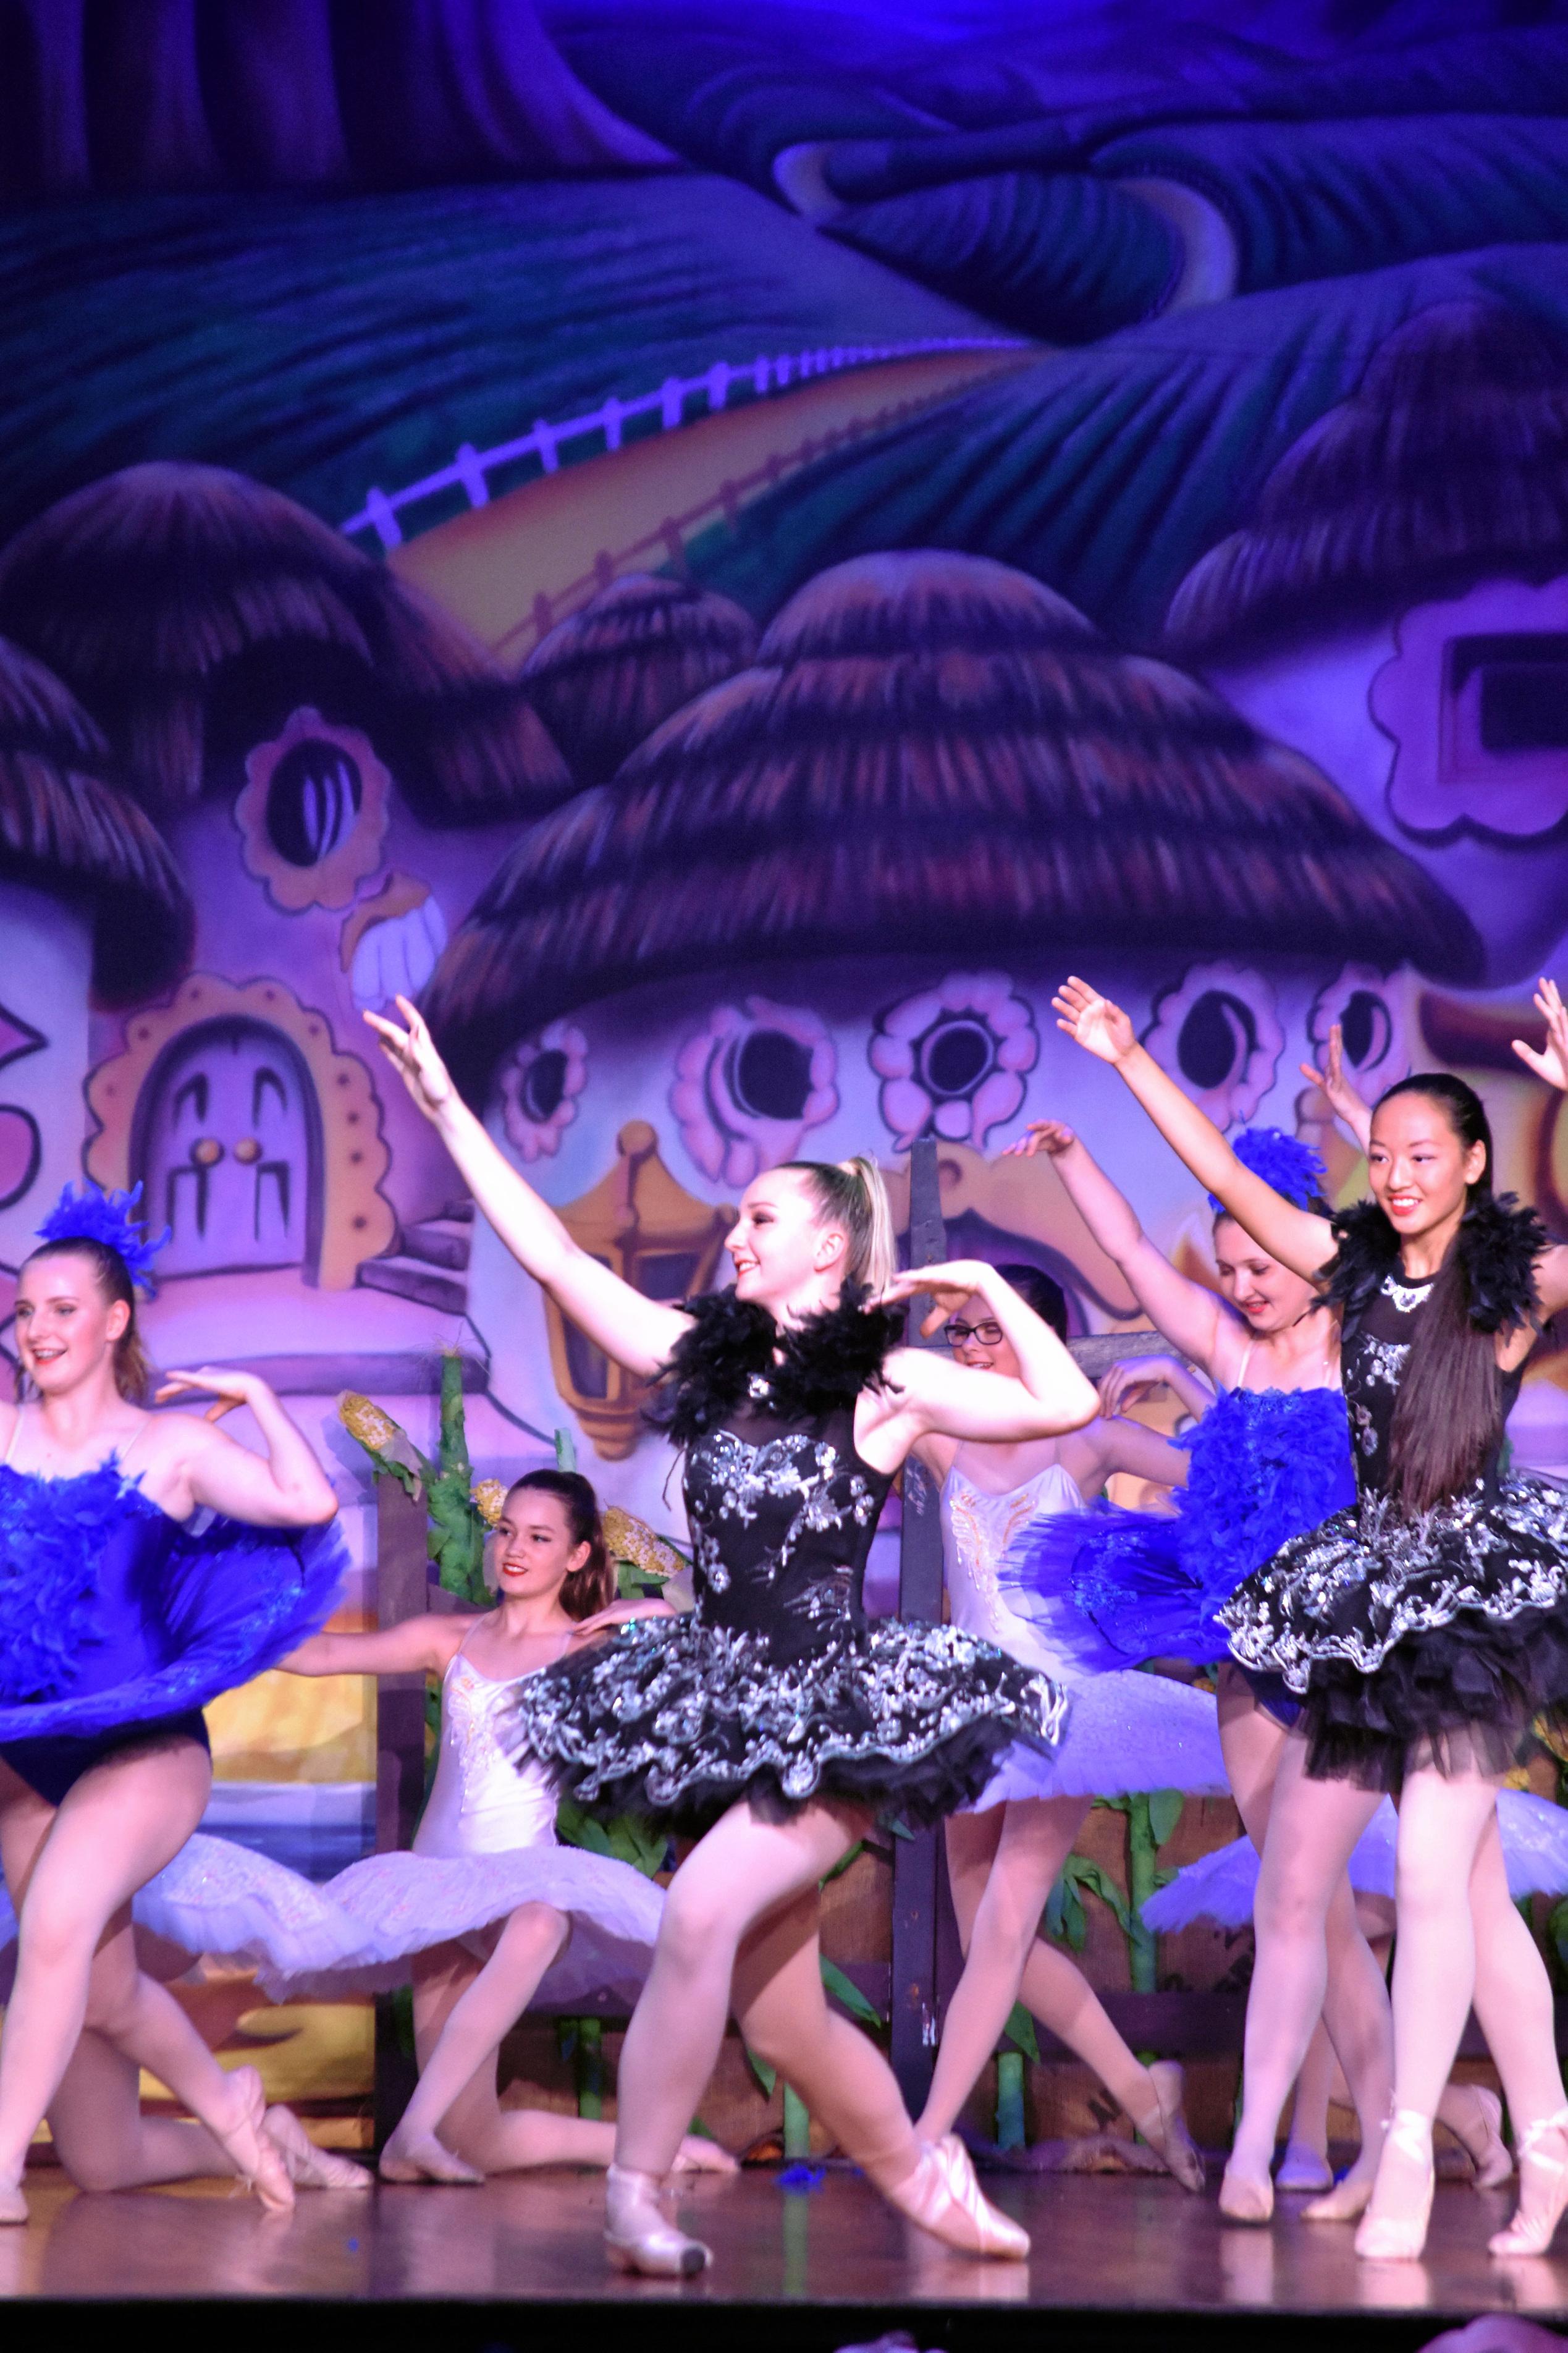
x: 470, y: 468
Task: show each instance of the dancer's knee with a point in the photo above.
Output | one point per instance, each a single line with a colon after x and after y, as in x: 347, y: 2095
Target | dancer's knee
x: 537, y: 1930
x: 698, y: 1932
x: 1289, y: 1910
x: 59, y: 1932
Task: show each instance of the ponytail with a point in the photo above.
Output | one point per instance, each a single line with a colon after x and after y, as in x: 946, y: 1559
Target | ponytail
x: 132, y: 1370
x: 852, y: 1194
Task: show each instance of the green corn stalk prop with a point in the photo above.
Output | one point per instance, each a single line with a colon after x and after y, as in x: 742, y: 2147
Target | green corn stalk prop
x: 1151, y: 1819
x: 1019, y: 2031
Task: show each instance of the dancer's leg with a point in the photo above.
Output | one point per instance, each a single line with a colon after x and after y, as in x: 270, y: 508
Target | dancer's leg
x: 1513, y: 1993
x: 1001, y: 1867
x: 1252, y: 1743
x: 102, y: 2139
x: 740, y: 1875
x: 72, y: 1870
x: 1303, y: 1907
x: 1443, y: 1819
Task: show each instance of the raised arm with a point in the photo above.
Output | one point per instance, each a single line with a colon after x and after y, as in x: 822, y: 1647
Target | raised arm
x: 284, y: 1488
x: 930, y: 1395
x: 1346, y: 1100
x: 1190, y: 1316
x: 636, y: 1332
x: 1551, y: 1266
x: 1295, y: 1237
x: 425, y: 1644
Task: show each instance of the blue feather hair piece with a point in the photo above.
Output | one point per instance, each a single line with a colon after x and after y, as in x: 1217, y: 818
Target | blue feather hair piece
x: 92, y: 1215
x: 1292, y: 1167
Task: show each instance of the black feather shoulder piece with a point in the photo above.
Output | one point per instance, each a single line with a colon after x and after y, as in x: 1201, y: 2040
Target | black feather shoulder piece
x: 810, y: 1367
x: 1498, y: 1243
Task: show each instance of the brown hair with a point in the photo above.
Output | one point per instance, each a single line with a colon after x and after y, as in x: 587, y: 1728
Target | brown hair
x: 132, y: 1369
x: 1448, y: 1415
x: 851, y: 1193
x: 592, y: 1587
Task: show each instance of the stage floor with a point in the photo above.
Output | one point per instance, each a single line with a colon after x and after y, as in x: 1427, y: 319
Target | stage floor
x: 1116, y: 2261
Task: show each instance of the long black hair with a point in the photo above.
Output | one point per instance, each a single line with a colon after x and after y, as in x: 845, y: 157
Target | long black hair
x: 1448, y: 1416
x: 591, y: 1588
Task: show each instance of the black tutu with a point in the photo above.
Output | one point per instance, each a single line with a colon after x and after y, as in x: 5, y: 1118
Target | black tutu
x: 677, y: 1718
x: 1437, y: 1638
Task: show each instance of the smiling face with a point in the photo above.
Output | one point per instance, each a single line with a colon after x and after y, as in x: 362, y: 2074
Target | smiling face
x: 1268, y: 1296
x: 1420, y: 1167
x: 978, y: 1340
x: 781, y: 1244
x: 532, y: 1553
x: 66, y: 1327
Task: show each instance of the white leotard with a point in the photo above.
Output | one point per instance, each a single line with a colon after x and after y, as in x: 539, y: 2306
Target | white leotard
x: 977, y: 1529
x: 482, y: 1803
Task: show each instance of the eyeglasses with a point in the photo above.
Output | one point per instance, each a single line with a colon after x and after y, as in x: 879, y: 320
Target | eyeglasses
x: 955, y: 1333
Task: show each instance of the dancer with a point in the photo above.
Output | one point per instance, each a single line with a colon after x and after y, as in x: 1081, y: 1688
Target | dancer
x: 488, y: 1903
x: 1126, y: 1731
x: 1422, y: 1630
x: 117, y: 1623
x: 1269, y: 1456
x: 773, y: 1719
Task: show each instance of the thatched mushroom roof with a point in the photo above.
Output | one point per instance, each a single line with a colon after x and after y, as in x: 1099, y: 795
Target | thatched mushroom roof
x: 932, y: 752
x: 607, y: 677
x: 191, y: 608
x: 65, y: 828
x: 1448, y: 462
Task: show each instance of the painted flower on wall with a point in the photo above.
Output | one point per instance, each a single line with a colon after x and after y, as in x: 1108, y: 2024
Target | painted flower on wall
x: 1370, y: 1007
x: 1218, y: 1034
x: 748, y: 1084
x: 539, y: 1087
x: 952, y: 1058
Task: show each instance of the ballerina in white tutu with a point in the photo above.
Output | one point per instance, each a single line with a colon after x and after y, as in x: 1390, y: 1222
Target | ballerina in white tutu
x: 488, y: 1908
x: 1126, y: 1731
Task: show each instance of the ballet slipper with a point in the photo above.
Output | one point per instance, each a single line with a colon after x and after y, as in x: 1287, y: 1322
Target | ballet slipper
x: 943, y: 2197
x: 254, y: 2158
x: 1244, y: 2198
x: 1400, y: 2238
x: 420, y: 2156
x: 696, y: 2155
x: 1346, y: 2200
x: 1535, y: 2221
x: 639, y: 2235
x: 1169, y: 2138
x: 13, y: 2204
x: 308, y: 2167
x: 1492, y: 2168
x: 1302, y: 2168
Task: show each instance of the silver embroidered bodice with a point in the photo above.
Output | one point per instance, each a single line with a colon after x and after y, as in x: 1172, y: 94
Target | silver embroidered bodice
x: 781, y: 1516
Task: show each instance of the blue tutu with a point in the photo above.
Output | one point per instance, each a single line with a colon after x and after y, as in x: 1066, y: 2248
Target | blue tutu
x: 114, y: 1615
x: 1109, y: 1586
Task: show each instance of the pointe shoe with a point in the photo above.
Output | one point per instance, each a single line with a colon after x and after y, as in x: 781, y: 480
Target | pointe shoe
x: 638, y: 2235
x: 1399, y: 2238
x: 1243, y: 2199
x: 1531, y: 2234
x: 256, y: 2159
x: 308, y: 2167
x: 1302, y: 2168
x: 1169, y: 2139
x: 13, y: 2204
x: 422, y: 2157
x: 1495, y: 2164
x: 943, y: 2197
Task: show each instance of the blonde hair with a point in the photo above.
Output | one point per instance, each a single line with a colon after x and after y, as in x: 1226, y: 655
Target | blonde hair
x: 851, y: 1193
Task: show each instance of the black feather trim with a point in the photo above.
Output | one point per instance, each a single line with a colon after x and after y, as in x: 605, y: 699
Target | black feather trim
x: 811, y: 1368
x: 1498, y: 1242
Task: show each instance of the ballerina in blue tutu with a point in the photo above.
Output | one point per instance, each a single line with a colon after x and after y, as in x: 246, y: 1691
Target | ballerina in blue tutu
x: 123, y: 1609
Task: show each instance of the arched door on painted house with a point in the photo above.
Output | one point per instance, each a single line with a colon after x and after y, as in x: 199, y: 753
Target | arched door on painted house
x: 228, y: 1144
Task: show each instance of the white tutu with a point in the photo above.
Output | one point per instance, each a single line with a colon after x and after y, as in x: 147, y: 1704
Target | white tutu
x: 1220, y: 1886
x: 1126, y: 1731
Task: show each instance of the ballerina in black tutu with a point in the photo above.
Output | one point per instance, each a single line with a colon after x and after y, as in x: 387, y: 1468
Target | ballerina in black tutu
x: 1422, y: 1628
x: 773, y: 1720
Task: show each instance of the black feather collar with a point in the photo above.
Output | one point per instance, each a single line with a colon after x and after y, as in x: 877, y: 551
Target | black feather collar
x: 1498, y: 1244
x: 810, y: 1368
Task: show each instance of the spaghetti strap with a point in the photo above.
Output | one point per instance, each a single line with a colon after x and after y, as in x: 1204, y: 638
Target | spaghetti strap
x: 1240, y: 1380
x: 10, y: 1443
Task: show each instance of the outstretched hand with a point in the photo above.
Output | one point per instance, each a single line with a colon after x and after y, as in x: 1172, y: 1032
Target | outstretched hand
x: 412, y: 1053
x: 1047, y: 1136
x: 1553, y: 1065
x: 1093, y: 1022
x: 949, y: 1285
x: 231, y: 1389
x: 1346, y: 1099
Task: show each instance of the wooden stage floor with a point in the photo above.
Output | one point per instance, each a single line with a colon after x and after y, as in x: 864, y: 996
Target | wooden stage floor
x: 1116, y: 2261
